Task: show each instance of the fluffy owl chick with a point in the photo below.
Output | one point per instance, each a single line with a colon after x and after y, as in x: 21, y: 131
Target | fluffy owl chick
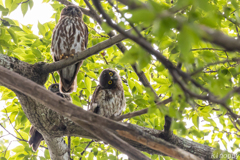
x: 108, y: 98
x: 70, y: 36
x: 36, y: 137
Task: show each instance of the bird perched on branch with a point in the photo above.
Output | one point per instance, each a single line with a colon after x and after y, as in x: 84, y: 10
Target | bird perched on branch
x: 70, y: 36
x: 36, y: 137
x: 108, y: 98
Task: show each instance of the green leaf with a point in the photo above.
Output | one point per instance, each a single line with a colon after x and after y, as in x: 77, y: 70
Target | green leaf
x: 13, y: 6
x: 88, y: 84
x: 24, y: 7
x: 143, y: 60
x: 3, y: 9
x: 31, y: 36
x: 142, y: 15
x: 13, y: 35
x: 90, y: 157
x: 1, y: 50
x: 18, y: 149
x: 195, y: 120
x: 8, y: 3
x: 152, y: 110
x: 56, y: 6
x: 41, y: 29
x: 30, y: 3
x: 92, y: 74
x: 13, y: 115
x: 46, y: 154
x: 106, y: 27
x: 46, y: 1
x: 19, y: 50
x: 37, y: 53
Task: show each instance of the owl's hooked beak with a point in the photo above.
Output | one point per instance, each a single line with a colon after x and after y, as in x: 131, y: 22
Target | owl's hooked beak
x: 115, y: 77
x: 73, y: 11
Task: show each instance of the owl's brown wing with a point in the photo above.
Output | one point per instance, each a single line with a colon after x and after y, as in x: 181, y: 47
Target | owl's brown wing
x: 93, y: 105
x: 69, y: 38
x: 35, y: 138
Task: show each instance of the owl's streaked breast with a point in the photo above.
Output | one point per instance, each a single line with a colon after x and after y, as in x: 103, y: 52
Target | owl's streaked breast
x: 68, y: 37
x: 110, y: 102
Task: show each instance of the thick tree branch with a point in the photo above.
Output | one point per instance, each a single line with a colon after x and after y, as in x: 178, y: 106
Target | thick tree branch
x: 48, y: 68
x: 58, y: 149
x: 221, y: 39
x: 46, y: 120
x: 83, y: 118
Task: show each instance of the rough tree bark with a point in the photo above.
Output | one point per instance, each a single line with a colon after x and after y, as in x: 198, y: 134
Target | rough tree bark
x: 53, y: 126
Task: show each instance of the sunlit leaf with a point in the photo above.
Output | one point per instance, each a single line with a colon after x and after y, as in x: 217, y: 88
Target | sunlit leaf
x: 41, y: 28
x: 13, y: 35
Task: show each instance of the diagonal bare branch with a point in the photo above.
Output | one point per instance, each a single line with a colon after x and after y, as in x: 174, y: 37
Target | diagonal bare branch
x: 48, y: 68
x: 143, y: 111
x: 86, y: 119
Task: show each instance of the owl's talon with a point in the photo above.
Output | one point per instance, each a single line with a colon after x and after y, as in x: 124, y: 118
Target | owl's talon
x: 72, y: 55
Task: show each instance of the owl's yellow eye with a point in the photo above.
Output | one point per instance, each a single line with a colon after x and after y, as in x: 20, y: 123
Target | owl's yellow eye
x: 55, y: 86
x: 110, y: 73
x: 110, y: 82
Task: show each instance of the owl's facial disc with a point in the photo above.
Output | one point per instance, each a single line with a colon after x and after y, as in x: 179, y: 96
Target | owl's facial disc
x: 54, y: 88
x: 108, y: 79
x: 72, y: 11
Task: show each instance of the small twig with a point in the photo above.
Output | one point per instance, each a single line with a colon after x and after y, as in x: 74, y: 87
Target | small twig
x: 85, y: 149
x: 227, y: 58
x: 17, y: 137
x: 105, y: 60
x: 103, y: 55
x: 237, y: 31
x: 106, y: 36
x: 12, y: 124
x: 215, y: 49
x: 229, y: 19
x: 106, y: 149
x: 234, y: 124
x: 140, y: 112
x: 231, y: 93
x: 131, y: 24
x: 4, y: 22
x: 4, y: 135
x: 7, y: 149
x: 53, y: 77
x: 69, y: 146
x: 214, y: 63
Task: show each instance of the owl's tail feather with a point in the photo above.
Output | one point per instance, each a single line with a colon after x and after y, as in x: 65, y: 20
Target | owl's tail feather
x: 68, y: 78
x: 35, y: 139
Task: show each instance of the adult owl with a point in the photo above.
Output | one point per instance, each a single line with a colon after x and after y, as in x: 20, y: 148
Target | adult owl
x: 108, y: 98
x: 70, y: 36
x: 36, y: 137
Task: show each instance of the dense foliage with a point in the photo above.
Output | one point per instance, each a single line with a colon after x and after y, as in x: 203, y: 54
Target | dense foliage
x: 200, y: 120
